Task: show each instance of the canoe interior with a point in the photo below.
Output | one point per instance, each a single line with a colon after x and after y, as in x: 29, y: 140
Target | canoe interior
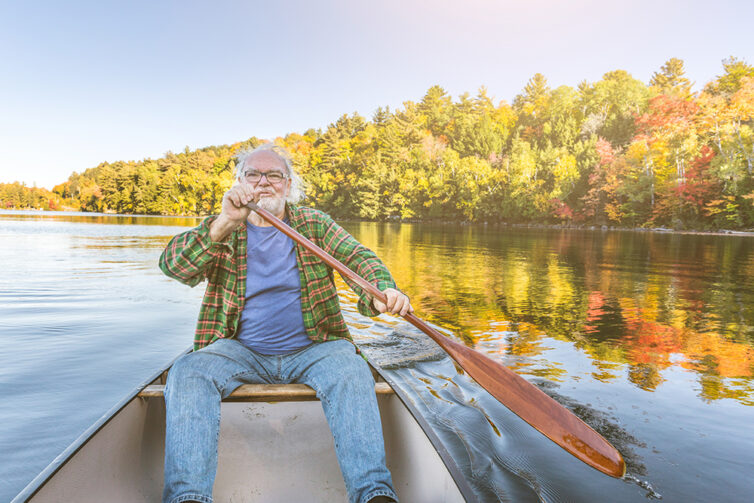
x: 269, y: 451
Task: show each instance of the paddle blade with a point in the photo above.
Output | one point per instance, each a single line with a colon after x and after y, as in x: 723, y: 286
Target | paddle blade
x: 532, y: 405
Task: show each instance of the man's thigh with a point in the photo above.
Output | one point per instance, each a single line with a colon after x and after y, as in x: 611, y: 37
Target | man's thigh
x: 225, y: 363
x: 333, y: 363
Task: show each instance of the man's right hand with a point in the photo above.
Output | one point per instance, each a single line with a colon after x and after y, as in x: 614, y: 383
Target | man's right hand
x: 234, y: 211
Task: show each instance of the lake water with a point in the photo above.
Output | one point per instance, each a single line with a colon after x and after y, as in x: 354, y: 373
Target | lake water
x: 648, y: 337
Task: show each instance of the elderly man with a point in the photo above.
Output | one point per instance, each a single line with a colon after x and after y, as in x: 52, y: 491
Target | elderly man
x: 271, y: 315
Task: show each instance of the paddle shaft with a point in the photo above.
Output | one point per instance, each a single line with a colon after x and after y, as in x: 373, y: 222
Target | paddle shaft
x: 520, y: 396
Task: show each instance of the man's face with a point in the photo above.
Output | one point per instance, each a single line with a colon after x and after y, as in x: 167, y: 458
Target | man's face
x: 269, y: 194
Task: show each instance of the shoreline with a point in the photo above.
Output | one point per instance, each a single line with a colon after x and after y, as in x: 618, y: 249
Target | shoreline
x: 455, y: 223
x: 606, y: 228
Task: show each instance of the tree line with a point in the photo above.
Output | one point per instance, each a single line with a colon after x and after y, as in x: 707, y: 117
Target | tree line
x: 612, y: 152
x: 17, y: 195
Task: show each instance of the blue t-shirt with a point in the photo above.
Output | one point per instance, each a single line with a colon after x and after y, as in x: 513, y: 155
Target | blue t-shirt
x: 271, y: 321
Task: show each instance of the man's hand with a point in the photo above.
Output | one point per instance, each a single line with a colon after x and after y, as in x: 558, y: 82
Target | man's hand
x: 397, y: 302
x: 234, y: 202
x: 234, y: 211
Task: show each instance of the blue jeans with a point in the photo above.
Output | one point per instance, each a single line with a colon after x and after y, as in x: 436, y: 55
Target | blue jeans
x: 197, y: 382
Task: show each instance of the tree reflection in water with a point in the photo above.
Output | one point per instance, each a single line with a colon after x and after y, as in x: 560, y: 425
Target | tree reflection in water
x: 647, y: 301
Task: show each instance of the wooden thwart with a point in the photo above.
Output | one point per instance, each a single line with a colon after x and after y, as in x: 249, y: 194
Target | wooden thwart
x: 266, y: 392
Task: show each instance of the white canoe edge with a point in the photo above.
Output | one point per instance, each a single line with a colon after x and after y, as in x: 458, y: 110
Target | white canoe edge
x: 268, y: 452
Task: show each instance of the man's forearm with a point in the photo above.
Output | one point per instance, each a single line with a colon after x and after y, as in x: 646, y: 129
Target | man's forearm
x: 220, y: 228
x: 188, y: 255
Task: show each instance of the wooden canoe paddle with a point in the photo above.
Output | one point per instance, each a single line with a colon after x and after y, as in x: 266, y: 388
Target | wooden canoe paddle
x: 520, y: 396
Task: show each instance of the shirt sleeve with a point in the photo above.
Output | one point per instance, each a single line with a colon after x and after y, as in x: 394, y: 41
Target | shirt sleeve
x: 357, y: 257
x: 190, y: 256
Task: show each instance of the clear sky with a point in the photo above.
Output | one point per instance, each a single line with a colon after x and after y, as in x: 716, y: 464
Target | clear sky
x: 83, y: 82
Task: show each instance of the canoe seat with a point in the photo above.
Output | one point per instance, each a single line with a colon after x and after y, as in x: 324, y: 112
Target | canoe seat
x: 265, y: 392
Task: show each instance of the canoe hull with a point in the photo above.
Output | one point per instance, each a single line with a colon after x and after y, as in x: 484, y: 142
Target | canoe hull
x: 268, y: 451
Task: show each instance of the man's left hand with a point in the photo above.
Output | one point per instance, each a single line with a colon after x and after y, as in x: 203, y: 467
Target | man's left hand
x: 397, y: 302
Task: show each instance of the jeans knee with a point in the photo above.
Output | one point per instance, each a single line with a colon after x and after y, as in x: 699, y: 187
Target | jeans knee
x: 355, y: 367
x: 188, y: 375
x: 182, y: 369
x: 348, y: 375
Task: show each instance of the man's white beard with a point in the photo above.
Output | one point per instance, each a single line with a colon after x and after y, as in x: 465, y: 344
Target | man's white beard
x: 274, y: 204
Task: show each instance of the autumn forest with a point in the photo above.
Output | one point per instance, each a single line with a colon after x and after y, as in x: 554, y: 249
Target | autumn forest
x: 613, y: 152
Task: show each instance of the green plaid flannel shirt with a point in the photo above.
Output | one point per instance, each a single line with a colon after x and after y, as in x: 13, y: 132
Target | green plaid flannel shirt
x: 192, y: 257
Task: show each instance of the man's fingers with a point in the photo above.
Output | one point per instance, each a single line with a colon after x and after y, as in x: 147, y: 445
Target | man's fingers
x: 245, y: 198
x: 233, y: 197
x: 392, y: 298
x: 396, y: 302
x: 240, y: 195
x: 406, y: 306
x: 248, y: 192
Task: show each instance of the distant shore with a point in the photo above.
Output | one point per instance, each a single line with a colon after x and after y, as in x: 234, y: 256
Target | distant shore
x: 576, y: 227
x: 663, y: 230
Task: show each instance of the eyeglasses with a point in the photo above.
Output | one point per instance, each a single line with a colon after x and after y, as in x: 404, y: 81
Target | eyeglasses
x: 254, y: 176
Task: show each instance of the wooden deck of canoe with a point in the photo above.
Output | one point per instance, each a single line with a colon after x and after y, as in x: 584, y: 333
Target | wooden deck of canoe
x: 275, y: 446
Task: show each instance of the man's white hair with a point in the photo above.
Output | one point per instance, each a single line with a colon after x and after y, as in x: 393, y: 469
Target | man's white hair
x: 296, y: 194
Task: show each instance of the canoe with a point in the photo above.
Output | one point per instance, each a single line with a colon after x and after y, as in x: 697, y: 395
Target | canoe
x: 275, y: 446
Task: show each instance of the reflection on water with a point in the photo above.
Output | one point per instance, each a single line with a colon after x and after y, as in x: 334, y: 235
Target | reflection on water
x: 649, y: 301
x: 85, y: 316
x: 97, y: 218
x: 647, y: 337
x: 502, y: 458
